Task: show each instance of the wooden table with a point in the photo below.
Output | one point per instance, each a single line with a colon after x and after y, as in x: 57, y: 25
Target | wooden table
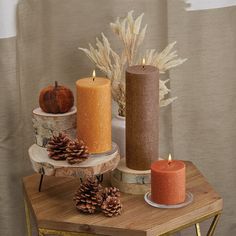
x: 55, y: 214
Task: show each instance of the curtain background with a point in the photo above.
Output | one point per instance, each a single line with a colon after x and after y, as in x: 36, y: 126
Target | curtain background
x: 199, y: 126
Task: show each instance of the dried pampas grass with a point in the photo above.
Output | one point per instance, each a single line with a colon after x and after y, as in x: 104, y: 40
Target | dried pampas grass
x: 132, y: 35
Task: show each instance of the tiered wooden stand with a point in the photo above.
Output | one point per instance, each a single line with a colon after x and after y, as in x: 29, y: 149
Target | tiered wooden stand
x: 131, y: 181
x: 45, y: 125
x: 95, y: 165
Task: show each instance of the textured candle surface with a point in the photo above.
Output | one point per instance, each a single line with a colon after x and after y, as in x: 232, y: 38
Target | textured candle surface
x: 94, y: 113
x: 142, y: 116
x: 168, y: 182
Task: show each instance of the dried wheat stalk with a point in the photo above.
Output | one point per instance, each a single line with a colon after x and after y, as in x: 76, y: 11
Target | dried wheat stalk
x: 113, y: 65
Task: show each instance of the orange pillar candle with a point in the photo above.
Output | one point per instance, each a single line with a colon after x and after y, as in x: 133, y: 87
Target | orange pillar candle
x: 168, y: 182
x: 94, y: 113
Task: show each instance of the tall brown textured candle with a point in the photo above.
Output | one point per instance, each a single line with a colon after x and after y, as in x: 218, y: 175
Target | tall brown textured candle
x: 142, y: 116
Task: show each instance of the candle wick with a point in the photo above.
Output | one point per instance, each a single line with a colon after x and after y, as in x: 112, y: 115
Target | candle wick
x: 169, y: 163
x: 93, y: 78
x: 143, y: 67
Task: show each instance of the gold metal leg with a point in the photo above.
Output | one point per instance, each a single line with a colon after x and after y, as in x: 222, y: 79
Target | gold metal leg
x: 198, y: 230
x: 41, y: 233
x: 213, y: 225
x: 197, y: 225
x: 44, y: 232
x: 27, y: 217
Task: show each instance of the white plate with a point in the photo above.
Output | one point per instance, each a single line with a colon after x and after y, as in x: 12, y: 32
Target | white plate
x: 188, y: 200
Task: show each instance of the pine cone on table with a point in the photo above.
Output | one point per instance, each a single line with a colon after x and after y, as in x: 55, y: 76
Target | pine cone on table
x: 110, y: 191
x: 57, y: 145
x: 76, y: 152
x: 111, y: 206
x: 88, y: 198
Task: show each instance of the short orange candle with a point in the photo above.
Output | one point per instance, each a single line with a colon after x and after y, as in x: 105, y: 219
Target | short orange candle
x: 168, y: 182
x: 94, y: 113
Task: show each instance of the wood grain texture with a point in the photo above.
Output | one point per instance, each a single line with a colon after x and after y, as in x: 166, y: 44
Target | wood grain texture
x: 134, y: 188
x: 92, y: 166
x: 46, y: 124
x: 53, y: 208
x: 129, y: 180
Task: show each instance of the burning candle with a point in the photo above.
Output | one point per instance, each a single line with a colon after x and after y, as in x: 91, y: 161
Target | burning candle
x: 168, y: 181
x: 143, y: 63
x: 142, y: 116
x: 94, y: 113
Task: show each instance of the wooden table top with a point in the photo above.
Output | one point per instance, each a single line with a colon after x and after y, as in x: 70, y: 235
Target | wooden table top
x: 53, y: 208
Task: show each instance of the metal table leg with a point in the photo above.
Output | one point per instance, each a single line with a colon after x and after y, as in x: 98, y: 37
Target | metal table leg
x: 100, y: 178
x: 27, y: 217
x: 213, y: 225
x: 198, y: 230
x: 42, y: 172
x: 44, y: 232
x: 197, y: 225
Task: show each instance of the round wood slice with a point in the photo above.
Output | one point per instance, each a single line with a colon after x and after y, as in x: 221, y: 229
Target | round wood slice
x: 47, y: 124
x: 94, y: 165
x: 129, y: 180
x: 130, y: 188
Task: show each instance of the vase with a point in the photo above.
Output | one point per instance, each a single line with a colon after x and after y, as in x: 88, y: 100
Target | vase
x: 118, y: 133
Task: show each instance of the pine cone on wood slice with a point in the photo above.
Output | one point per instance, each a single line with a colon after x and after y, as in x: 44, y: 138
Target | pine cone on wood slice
x: 110, y: 191
x: 57, y: 145
x: 76, y: 152
x: 88, y: 198
x: 111, y: 206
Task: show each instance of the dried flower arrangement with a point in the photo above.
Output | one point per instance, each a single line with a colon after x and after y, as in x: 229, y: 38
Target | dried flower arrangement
x: 113, y: 65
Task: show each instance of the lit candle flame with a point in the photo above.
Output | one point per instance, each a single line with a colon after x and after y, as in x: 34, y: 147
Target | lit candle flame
x: 169, y: 159
x: 94, y: 74
x: 143, y: 61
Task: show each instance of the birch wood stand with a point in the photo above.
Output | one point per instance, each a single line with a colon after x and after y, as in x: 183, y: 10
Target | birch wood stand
x: 129, y: 180
x: 46, y: 124
x: 55, y: 214
x: 95, y: 165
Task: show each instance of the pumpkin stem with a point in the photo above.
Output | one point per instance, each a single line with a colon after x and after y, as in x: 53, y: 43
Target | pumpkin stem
x: 56, y: 84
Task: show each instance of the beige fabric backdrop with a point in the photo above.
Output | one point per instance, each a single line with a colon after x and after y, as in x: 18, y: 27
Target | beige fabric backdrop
x: 199, y: 126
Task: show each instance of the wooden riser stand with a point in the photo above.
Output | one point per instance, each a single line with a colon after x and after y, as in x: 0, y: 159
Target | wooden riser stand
x: 131, y: 181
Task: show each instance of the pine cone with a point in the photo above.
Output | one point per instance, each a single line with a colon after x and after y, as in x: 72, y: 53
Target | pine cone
x: 111, y: 191
x: 111, y: 206
x: 88, y: 198
x: 57, y: 145
x: 76, y: 152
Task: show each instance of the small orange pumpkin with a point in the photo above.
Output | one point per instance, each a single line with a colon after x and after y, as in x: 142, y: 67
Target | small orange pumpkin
x: 56, y: 99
